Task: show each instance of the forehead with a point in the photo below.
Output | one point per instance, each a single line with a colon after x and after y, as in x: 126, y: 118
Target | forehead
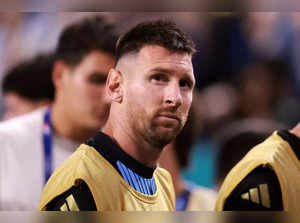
x: 153, y: 55
x: 96, y: 61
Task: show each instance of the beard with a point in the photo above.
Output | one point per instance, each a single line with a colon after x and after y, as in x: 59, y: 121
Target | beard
x: 156, y: 131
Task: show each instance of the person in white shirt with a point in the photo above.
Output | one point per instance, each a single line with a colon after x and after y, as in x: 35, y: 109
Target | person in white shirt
x: 33, y: 145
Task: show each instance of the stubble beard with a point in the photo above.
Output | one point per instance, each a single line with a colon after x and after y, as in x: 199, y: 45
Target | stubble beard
x: 149, y: 131
x: 159, y: 136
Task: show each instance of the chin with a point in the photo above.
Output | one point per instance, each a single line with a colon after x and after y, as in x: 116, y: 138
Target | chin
x: 94, y: 125
x: 163, y: 138
x: 169, y: 132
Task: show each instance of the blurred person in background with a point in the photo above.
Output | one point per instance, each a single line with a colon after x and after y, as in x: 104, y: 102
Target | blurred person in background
x: 28, y: 86
x: 33, y: 145
x: 260, y: 86
x: 23, y: 35
x: 177, y: 156
x: 9, y: 23
x: 266, y: 178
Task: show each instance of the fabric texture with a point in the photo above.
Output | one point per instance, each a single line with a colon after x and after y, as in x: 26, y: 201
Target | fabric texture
x: 22, y: 160
x: 109, y: 190
x: 276, y: 154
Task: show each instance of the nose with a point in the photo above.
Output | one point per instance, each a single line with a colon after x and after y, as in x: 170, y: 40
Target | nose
x: 173, y: 96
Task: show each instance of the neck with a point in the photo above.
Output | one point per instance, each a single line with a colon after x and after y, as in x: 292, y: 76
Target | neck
x: 141, y: 151
x: 64, y: 126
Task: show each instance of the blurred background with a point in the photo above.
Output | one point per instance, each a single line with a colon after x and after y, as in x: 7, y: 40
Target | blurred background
x: 246, y: 69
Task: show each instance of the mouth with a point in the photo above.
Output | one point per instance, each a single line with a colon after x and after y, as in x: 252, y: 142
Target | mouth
x: 169, y: 116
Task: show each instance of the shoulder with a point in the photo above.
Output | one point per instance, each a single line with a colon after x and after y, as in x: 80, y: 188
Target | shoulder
x: 23, y: 123
x: 77, y: 198
x: 67, y: 176
x: 256, y: 169
x: 164, y: 179
x: 259, y: 190
x: 22, y: 132
x: 163, y: 174
x: 268, y: 148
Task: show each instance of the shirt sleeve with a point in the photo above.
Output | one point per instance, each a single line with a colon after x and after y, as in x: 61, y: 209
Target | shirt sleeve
x: 260, y: 190
x: 77, y: 198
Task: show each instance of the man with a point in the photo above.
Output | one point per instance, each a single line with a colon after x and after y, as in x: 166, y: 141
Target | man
x: 176, y: 157
x: 150, y: 90
x: 33, y: 145
x: 28, y: 86
x: 266, y: 178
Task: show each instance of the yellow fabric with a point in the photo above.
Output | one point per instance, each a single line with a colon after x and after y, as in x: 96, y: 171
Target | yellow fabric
x: 110, y: 191
x: 201, y: 199
x: 277, y: 154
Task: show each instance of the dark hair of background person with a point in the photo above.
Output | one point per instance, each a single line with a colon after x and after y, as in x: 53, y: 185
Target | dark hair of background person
x: 236, y: 139
x: 234, y: 149
x: 160, y: 32
x: 83, y: 37
x: 31, y: 79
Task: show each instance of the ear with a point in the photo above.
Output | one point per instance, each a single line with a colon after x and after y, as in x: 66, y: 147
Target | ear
x: 114, y: 85
x: 59, y: 69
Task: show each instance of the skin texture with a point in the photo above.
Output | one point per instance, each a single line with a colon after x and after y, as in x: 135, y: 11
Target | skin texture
x: 151, y: 94
x: 81, y: 106
x: 16, y: 105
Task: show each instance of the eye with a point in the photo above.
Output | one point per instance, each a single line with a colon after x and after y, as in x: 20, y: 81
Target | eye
x: 185, y: 84
x: 159, y: 78
x: 97, y: 79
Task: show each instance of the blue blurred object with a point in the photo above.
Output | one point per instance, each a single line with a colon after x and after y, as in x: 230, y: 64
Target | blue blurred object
x: 202, y: 167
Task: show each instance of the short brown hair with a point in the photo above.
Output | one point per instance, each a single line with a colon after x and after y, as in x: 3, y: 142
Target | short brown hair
x: 161, y: 32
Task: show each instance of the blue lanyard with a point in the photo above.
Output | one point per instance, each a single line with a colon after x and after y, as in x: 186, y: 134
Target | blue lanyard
x: 47, y: 142
x: 182, y: 201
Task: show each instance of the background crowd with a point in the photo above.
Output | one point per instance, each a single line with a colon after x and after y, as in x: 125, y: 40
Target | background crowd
x: 246, y: 69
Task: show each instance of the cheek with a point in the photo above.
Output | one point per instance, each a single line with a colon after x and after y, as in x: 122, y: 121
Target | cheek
x: 86, y: 91
x: 136, y: 104
x: 95, y: 92
x: 79, y: 98
x: 186, y: 105
x: 143, y: 100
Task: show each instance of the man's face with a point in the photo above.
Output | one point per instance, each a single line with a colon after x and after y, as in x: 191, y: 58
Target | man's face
x: 83, y: 90
x: 158, y: 89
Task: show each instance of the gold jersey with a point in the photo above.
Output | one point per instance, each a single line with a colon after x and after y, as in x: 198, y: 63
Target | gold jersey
x: 277, y: 154
x: 109, y: 190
